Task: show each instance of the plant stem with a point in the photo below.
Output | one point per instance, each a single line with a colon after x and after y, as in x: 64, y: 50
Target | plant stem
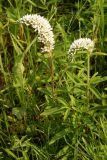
x: 88, y: 77
x: 51, y: 71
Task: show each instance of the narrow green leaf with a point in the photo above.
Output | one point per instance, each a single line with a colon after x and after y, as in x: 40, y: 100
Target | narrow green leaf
x: 99, y: 108
x: 99, y: 54
x: 60, y: 135
x: 62, y: 31
x: 62, y: 101
x: 31, y: 2
x: 64, y: 36
x: 94, y: 75
x: 62, y: 152
x: 19, y: 112
x: 52, y: 111
x: 95, y: 92
x: 70, y: 76
x: 98, y: 79
x: 29, y: 46
x: 11, y: 154
x: 16, y: 41
x: 66, y: 114
x: 25, y: 155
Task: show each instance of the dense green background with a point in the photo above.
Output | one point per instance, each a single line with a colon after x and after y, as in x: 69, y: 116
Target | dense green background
x: 34, y: 123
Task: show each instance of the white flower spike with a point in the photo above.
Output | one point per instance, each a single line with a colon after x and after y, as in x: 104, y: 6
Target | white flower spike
x: 82, y: 43
x: 44, y: 29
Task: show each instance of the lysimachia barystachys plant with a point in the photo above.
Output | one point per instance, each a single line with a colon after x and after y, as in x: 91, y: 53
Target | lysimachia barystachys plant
x: 87, y: 44
x: 45, y: 35
x: 82, y: 43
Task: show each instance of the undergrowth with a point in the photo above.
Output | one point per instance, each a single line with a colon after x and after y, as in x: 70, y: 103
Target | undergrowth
x: 72, y: 123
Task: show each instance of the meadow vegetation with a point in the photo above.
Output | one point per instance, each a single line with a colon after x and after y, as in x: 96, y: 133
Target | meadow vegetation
x: 53, y: 108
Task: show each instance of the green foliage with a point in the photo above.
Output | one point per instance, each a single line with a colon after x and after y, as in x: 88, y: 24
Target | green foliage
x: 34, y: 123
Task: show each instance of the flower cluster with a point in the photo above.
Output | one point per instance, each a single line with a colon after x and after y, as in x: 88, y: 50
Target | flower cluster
x: 82, y: 43
x: 42, y: 26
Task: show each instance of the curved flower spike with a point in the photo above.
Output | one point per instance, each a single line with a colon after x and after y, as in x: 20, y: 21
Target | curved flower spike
x: 82, y: 43
x: 42, y: 26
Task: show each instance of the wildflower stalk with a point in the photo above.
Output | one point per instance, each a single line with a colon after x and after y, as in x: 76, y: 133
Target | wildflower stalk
x: 87, y: 44
x: 51, y: 71
x: 88, y: 77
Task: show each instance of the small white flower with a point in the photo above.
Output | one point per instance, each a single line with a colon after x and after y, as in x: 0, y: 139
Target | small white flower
x: 42, y: 26
x: 82, y: 43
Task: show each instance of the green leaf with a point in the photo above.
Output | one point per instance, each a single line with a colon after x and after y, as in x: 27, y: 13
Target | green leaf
x: 95, y: 92
x: 66, y: 114
x: 19, y: 80
x: 62, y: 101
x: 30, y: 45
x: 62, y: 152
x: 10, y: 153
x: 25, y: 155
x: 70, y: 76
x: 31, y: 2
x: 19, y: 112
x: 64, y: 35
x: 99, y: 54
x: 51, y: 111
x: 78, y: 64
x: 16, y: 44
x: 99, y: 108
x: 97, y: 79
x: 60, y: 135
x: 94, y: 75
x: 54, y: 1
x: 75, y: 79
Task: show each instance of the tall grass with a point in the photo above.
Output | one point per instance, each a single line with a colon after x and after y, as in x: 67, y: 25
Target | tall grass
x: 33, y: 124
